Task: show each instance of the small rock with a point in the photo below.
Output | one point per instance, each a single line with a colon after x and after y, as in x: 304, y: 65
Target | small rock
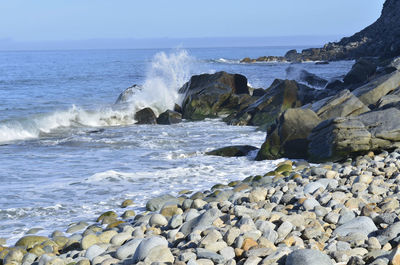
x: 309, y: 257
x: 93, y: 252
x: 158, y: 220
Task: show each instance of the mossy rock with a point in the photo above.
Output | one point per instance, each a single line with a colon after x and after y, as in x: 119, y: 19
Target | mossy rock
x: 107, y: 214
x: 257, y: 178
x: 197, y: 195
x: 115, y: 224
x: 126, y: 203
x: 170, y: 210
x: 89, y: 240
x: 37, y: 250
x: 248, y: 179
x: 183, y: 192
x: 61, y: 241
x: 233, y: 183
x: 286, y: 173
x: 283, y: 168
x: 29, y: 242
x: 270, y: 174
x: 4, y: 253
x: 286, y: 162
x: 52, y: 244
x: 218, y: 186
x: 128, y: 214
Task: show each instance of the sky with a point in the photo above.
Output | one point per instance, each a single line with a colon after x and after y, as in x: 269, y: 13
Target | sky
x: 82, y: 20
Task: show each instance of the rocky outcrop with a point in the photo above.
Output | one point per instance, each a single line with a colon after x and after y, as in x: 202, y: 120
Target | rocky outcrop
x: 380, y: 39
x: 289, y: 137
x: 232, y: 151
x: 280, y: 96
x: 338, y: 138
x: 213, y: 95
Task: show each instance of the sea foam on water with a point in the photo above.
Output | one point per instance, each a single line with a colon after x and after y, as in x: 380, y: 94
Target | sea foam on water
x: 165, y: 75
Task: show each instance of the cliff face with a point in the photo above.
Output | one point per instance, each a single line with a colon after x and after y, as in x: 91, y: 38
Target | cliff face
x: 380, y: 39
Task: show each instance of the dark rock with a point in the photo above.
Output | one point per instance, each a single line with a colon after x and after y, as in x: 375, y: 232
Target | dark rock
x: 232, y: 151
x: 312, y: 79
x: 322, y: 63
x: 213, y: 95
x: 336, y: 139
x: 343, y: 104
x: 360, y: 72
x: 178, y: 108
x: 145, y: 116
x: 309, y: 257
x: 280, y: 96
x: 258, y: 92
x: 380, y: 39
x: 373, y: 91
x: 289, y: 138
x: 169, y: 117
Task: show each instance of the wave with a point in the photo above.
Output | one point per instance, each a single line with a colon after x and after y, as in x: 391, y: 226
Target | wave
x: 165, y: 75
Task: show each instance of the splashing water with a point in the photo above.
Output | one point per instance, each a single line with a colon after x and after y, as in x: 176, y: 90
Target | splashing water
x: 166, y: 74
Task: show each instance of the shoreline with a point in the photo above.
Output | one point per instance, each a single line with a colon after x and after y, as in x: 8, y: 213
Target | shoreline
x: 341, y: 211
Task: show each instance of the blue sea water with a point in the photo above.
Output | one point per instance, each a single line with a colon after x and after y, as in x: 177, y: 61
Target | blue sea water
x: 67, y: 153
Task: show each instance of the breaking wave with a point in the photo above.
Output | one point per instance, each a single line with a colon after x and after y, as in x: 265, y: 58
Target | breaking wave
x: 165, y: 75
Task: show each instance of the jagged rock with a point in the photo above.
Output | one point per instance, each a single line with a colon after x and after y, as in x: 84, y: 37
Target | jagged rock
x: 212, y: 95
x: 169, y: 117
x: 388, y: 100
x: 280, y: 96
x: 312, y: 79
x: 145, y: 116
x: 338, y: 138
x: 343, y: 104
x: 289, y: 138
x: 232, y: 151
x: 373, y: 91
x: 258, y: 92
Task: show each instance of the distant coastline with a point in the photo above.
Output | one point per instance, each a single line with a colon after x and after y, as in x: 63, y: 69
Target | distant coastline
x: 152, y: 43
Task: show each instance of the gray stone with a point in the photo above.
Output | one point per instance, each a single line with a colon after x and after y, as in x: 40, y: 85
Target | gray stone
x: 206, y: 254
x: 158, y: 220
x: 93, y: 252
x: 391, y: 232
x: 157, y: 203
x: 146, y: 245
x: 201, y: 222
x: 309, y: 257
x: 362, y: 224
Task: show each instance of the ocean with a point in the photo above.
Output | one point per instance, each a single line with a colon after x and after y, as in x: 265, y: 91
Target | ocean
x: 67, y: 153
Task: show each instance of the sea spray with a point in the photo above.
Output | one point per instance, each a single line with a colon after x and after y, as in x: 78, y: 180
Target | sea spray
x: 165, y: 75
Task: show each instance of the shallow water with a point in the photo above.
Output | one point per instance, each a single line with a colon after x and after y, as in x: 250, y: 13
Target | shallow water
x: 67, y: 153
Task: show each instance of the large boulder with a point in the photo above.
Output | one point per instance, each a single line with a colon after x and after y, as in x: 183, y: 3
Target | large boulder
x: 343, y: 104
x: 338, y: 138
x: 373, y: 91
x: 145, y: 116
x: 213, y: 95
x: 289, y: 138
x: 280, y: 96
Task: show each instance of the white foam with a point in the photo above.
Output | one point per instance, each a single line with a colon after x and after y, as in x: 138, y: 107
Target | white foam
x: 166, y: 74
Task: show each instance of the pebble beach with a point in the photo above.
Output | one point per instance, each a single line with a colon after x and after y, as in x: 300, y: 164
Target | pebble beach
x: 332, y: 213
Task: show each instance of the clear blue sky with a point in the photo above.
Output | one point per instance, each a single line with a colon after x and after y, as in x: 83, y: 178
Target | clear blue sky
x: 39, y: 20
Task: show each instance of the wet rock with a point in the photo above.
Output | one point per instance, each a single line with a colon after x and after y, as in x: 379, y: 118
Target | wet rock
x: 145, y: 116
x: 233, y: 151
x: 169, y: 117
x: 212, y: 95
